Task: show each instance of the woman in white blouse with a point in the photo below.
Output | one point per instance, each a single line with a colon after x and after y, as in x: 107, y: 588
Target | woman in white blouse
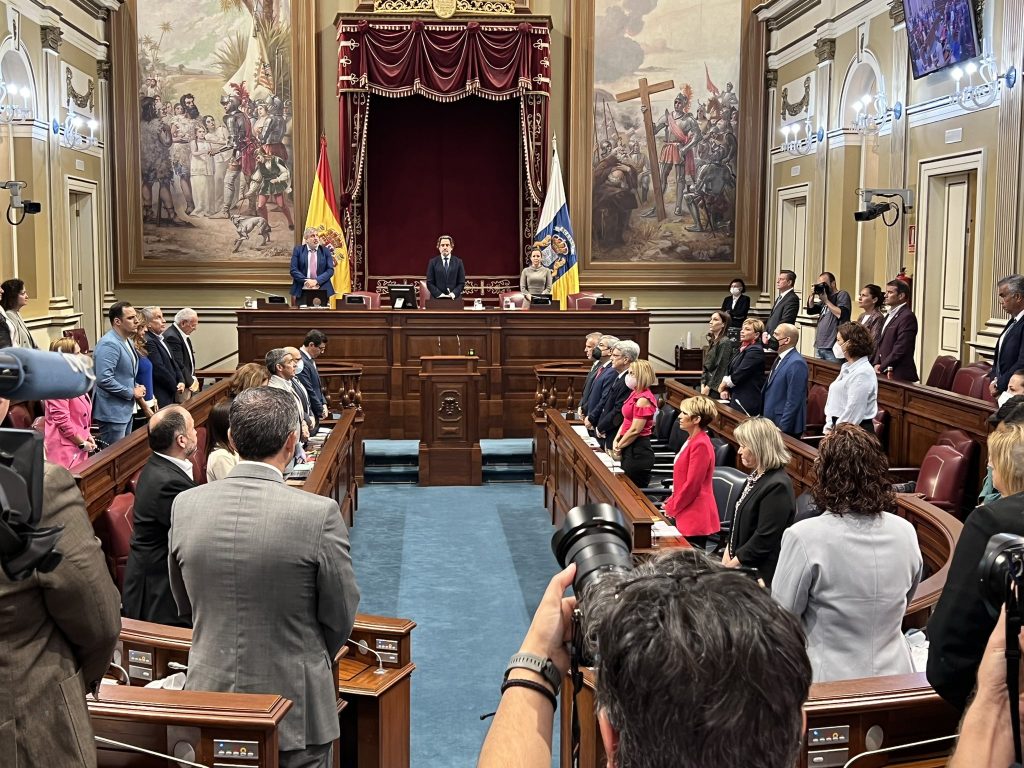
x: 853, y: 396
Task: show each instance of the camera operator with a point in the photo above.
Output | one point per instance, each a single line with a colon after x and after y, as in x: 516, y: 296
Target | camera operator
x: 834, y: 308
x: 59, y: 631
x: 697, y: 666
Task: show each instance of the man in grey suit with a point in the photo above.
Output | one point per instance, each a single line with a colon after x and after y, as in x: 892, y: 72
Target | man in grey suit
x: 265, y: 572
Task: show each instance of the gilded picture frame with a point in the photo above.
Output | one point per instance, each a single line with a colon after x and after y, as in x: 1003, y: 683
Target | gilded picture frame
x: 131, y: 267
x: 600, y: 274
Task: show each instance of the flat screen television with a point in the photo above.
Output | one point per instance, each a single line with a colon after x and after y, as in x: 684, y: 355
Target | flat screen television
x: 402, y: 296
x: 940, y: 34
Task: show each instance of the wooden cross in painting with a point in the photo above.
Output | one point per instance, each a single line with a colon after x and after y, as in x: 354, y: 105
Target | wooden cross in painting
x: 644, y: 94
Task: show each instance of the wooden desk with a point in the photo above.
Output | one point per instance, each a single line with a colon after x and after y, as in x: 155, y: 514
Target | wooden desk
x: 205, y: 722
x: 389, y: 345
x: 574, y: 475
x: 374, y: 725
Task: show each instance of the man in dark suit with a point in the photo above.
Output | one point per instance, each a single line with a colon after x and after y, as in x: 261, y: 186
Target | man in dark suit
x: 785, y: 309
x: 592, y: 354
x: 898, y: 338
x: 147, y: 591
x: 785, y: 392
x: 312, y: 347
x: 1009, y: 348
x: 603, y: 378
x: 273, y: 606
x: 168, y: 381
x: 608, y: 423
x: 179, y: 344
x: 312, y: 265
x: 446, y: 276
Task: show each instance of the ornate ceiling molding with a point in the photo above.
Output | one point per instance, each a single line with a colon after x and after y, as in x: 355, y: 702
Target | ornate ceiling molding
x: 825, y: 48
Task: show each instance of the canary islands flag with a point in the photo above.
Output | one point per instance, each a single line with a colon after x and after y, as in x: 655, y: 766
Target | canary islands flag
x: 555, y: 238
x: 323, y: 216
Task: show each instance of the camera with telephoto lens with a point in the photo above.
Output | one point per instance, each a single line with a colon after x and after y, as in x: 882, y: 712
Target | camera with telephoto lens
x: 821, y: 288
x: 598, y: 538
x: 1001, y: 570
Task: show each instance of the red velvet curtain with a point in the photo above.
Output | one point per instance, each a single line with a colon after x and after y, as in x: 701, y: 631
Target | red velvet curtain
x: 443, y: 61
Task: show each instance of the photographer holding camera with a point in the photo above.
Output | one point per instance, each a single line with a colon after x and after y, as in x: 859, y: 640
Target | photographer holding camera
x: 697, y: 666
x: 834, y: 308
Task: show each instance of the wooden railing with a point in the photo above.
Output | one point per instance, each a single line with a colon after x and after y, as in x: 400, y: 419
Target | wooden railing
x: 342, y: 383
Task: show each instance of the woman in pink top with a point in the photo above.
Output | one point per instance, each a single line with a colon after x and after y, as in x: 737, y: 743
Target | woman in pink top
x: 67, y: 439
x: 692, y: 503
x: 633, y: 441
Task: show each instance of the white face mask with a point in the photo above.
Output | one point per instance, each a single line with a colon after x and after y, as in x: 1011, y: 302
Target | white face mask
x: 298, y: 367
x: 631, y: 381
x: 735, y: 291
x: 837, y: 350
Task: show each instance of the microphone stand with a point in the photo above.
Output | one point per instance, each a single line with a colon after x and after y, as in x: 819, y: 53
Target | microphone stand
x: 362, y: 646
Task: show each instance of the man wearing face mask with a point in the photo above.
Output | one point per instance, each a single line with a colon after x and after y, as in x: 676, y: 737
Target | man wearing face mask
x: 785, y: 391
x: 603, y: 377
x: 147, y: 590
x: 834, y: 308
x: 608, y: 422
x: 591, y: 352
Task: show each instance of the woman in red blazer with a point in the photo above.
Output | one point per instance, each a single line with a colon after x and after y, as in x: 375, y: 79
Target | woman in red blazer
x: 66, y: 437
x: 692, y: 503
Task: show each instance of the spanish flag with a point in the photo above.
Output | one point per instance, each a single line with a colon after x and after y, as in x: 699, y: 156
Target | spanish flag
x: 323, y: 216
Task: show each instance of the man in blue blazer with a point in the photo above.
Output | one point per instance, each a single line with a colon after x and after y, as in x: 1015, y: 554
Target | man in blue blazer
x: 446, y: 277
x: 785, y: 391
x: 317, y: 278
x: 116, y: 365
x: 1010, y: 347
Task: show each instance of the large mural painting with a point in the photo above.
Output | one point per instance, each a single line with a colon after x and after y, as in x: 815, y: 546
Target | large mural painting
x: 672, y: 200
x: 215, y: 108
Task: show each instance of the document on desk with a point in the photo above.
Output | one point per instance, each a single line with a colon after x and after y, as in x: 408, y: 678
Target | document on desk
x: 661, y: 529
x: 580, y: 430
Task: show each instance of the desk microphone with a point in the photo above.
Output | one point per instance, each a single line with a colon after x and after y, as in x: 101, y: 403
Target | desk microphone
x: 737, y: 401
x: 169, y: 758
x: 439, y: 345
x: 459, y: 342
x: 362, y: 646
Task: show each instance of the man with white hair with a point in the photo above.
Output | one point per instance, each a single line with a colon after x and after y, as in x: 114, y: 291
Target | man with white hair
x: 180, y: 345
x: 610, y: 418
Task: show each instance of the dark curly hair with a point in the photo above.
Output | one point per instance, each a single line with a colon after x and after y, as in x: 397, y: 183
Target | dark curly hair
x: 852, y: 473
x: 857, y: 341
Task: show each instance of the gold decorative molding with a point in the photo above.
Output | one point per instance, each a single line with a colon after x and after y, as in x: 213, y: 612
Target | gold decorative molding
x: 792, y: 110
x: 896, y: 12
x: 825, y: 47
x: 102, y: 69
x: 50, y: 37
x: 81, y: 100
x: 771, y: 79
x: 447, y: 8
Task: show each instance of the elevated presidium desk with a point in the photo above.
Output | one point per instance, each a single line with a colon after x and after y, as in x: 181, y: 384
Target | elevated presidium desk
x: 389, y: 344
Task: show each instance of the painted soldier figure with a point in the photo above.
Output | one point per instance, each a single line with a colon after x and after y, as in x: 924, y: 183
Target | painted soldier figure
x: 682, y: 134
x: 243, y: 152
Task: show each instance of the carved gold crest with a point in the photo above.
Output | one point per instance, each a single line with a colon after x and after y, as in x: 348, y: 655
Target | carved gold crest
x: 444, y: 8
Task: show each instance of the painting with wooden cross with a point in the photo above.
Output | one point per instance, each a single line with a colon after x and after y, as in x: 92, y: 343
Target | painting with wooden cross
x: 665, y: 112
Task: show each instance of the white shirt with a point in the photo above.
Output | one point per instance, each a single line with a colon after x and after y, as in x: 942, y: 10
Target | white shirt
x: 999, y: 343
x: 188, y: 347
x: 853, y: 396
x: 262, y: 464
x: 782, y: 295
x: 183, y: 464
x: 892, y: 313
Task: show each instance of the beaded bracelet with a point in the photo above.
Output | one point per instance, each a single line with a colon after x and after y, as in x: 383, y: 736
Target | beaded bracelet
x: 518, y: 682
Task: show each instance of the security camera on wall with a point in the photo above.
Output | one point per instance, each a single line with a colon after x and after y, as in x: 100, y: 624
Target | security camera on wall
x: 872, y: 210
x: 17, y: 204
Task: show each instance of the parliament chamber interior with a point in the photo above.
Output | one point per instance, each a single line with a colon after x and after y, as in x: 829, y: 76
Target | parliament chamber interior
x: 373, y: 316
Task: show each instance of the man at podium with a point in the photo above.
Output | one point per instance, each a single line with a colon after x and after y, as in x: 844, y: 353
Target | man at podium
x: 446, y: 276
x: 312, y: 265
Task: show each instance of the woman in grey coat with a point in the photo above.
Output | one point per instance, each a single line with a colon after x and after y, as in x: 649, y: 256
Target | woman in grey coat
x: 850, y: 573
x: 718, y: 354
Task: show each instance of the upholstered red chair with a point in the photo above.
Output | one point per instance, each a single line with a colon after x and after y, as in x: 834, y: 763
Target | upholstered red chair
x: 424, y: 294
x: 959, y: 441
x: 516, y: 298
x: 198, y: 458
x: 39, y: 425
x: 80, y: 336
x: 133, y: 481
x: 20, y: 416
x: 881, y: 424
x: 942, y: 477
x: 582, y: 300
x: 370, y: 298
x: 972, y: 381
x: 943, y: 370
x: 816, y: 398
x: 114, y: 529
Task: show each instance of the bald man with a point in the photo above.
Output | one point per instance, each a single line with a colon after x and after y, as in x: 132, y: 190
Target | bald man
x: 785, y: 391
x: 308, y: 417
x: 147, y: 589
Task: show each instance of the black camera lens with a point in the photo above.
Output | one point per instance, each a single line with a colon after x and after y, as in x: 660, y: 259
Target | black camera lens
x: 598, y: 538
x: 1002, y: 563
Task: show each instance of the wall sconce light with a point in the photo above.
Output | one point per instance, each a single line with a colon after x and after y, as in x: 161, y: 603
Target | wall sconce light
x: 73, y: 137
x: 9, y: 111
x: 869, y: 124
x: 797, y: 146
x: 971, y: 97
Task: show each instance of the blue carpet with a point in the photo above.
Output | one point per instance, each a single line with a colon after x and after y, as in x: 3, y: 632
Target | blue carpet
x: 469, y: 566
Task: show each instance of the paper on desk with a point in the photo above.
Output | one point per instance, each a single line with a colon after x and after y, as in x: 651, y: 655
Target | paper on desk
x: 580, y: 430
x: 301, y: 467
x: 661, y: 528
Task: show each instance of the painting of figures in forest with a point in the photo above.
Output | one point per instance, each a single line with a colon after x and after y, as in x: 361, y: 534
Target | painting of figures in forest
x: 214, y: 109
x: 673, y: 199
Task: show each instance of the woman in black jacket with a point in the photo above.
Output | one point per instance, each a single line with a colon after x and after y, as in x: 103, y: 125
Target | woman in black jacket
x: 767, y: 504
x: 737, y: 304
x: 718, y: 354
x: 744, y: 380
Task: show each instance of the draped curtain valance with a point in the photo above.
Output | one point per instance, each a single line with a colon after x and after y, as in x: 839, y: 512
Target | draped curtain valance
x: 443, y: 61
